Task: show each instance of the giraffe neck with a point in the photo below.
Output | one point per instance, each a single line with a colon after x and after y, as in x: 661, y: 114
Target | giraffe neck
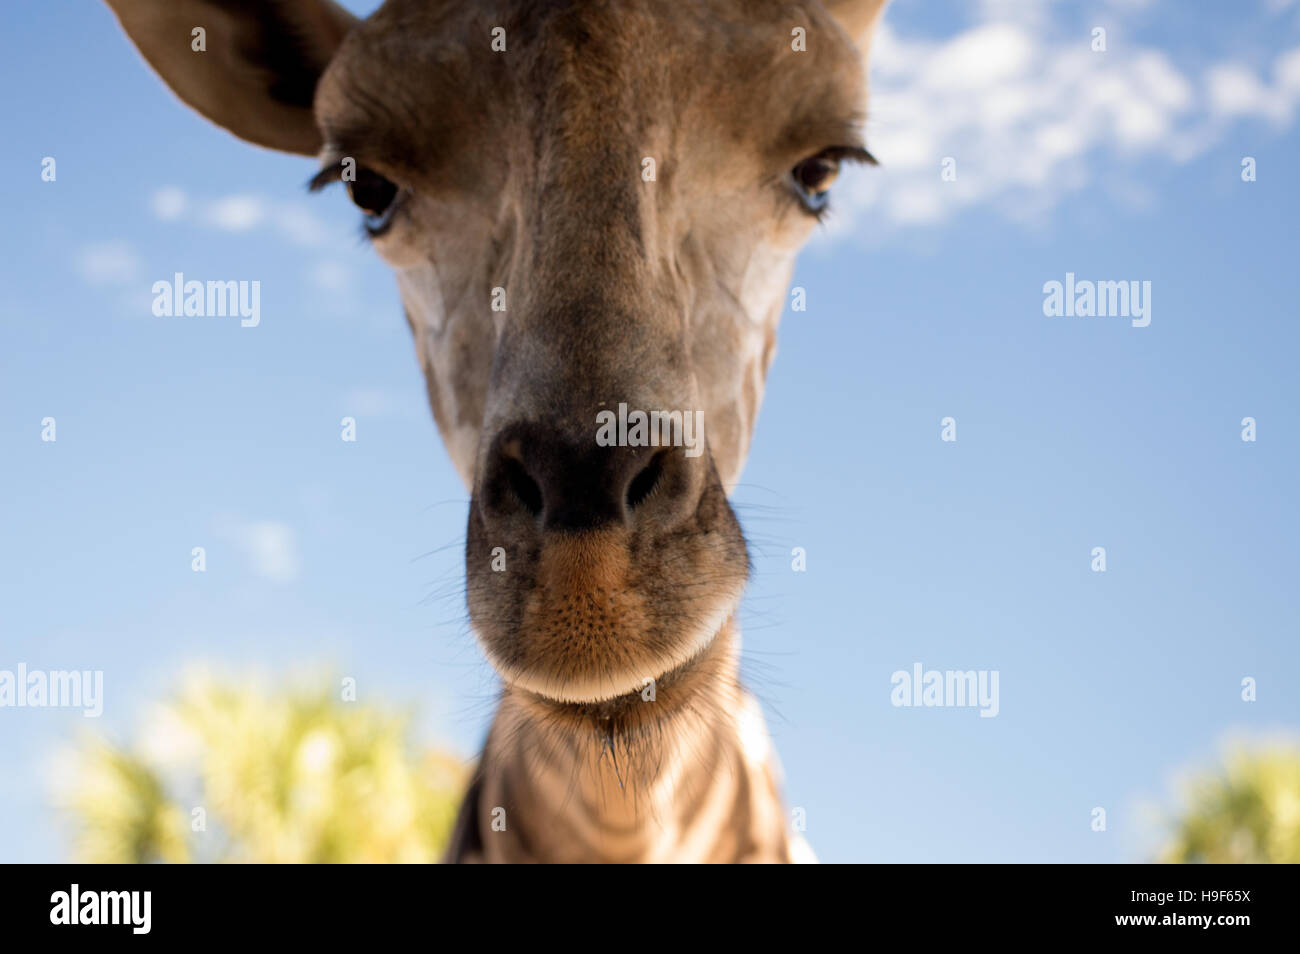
x: 690, y: 781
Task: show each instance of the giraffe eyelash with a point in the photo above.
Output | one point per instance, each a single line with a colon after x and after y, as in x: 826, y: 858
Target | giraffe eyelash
x: 327, y: 176
x: 810, y: 180
x: 378, y: 198
x: 855, y: 154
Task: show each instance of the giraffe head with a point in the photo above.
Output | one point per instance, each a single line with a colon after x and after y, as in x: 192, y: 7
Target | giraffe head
x: 592, y: 209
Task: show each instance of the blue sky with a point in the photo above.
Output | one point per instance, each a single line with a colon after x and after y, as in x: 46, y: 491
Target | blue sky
x: 924, y: 302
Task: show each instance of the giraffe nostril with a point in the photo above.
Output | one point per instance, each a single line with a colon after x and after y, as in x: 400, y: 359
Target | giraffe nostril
x: 533, y: 474
x: 643, y: 484
x: 524, y: 487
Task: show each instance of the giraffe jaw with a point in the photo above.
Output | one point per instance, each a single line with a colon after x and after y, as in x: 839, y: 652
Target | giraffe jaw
x: 630, y: 685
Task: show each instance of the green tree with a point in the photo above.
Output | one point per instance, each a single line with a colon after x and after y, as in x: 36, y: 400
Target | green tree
x: 1246, y: 811
x: 232, y: 773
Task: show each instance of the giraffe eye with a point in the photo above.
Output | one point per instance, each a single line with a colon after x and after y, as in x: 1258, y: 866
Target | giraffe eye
x: 376, y: 197
x: 811, y: 180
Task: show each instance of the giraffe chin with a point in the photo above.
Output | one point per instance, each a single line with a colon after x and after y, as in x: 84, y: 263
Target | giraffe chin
x: 632, y: 685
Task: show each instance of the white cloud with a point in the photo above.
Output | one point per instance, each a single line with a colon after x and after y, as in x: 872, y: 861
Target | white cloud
x: 330, y: 276
x: 168, y: 203
x: 273, y: 551
x: 1236, y: 91
x: 235, y: 213
x: 980, y: 59
x: 373, y: 402
x: 298, y: 224
x: 269, y: 546
x: 1030, y: 114
x: 113, y: 262
x: 1287, y: 69
x: 294, y: 221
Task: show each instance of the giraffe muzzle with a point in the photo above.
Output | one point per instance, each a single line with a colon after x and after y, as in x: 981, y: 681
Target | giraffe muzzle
x: 593, y: 570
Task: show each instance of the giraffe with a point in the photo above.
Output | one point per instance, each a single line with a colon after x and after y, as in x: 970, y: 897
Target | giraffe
x: 588, y: 205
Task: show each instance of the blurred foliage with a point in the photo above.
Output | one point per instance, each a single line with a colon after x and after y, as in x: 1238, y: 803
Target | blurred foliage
x: 1245, y: 812
x: 233, y: 773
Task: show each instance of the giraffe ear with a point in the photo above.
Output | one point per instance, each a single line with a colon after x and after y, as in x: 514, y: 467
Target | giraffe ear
x: 250, y: 66
x: 857, y: 17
